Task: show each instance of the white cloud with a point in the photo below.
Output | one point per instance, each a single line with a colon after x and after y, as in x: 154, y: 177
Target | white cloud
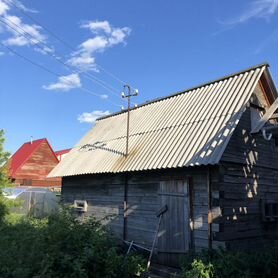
x: 104, y: 96
x: 118, y: 35
x: 21, y: 6
x: 257, y: 9
x: 94, y: 44
x: 2, y: 53
x: 18, y: 41
x: 65, y: 83
x: 91, y: 117
x: 96, y: 26
x: 105, y: 36
x: 44, y: 49
x: 84, y: 62
x: 3, y: 7
x: 23, y: 34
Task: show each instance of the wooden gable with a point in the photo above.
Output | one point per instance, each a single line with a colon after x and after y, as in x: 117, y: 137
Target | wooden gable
x: 31, y: 164
x: 39, y: 164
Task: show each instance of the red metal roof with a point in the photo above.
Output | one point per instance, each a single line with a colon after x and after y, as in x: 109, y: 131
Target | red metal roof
x: 61, y: 152
x: 23, y: 153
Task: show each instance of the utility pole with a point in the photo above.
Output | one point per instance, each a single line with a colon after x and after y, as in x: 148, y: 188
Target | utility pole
x: 128, y: 94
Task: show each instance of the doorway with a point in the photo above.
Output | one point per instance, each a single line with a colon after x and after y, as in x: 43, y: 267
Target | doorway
x: 174, y: 232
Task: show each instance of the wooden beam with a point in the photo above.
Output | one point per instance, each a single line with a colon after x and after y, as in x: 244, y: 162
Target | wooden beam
x: 268, y: 114
x: 209, y: 208
x: 191, y: 212
x: 125, y: 206
x: 271, y: 128
x: 254, y: 105
x: 274, y: 116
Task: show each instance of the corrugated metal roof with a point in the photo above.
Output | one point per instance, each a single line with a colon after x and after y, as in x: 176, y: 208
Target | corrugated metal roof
x: 61, y: 152
x: 186, y: 129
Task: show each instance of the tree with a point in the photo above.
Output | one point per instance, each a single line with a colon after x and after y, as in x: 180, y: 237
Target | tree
x: 4, y: 156
x: 4, y: 179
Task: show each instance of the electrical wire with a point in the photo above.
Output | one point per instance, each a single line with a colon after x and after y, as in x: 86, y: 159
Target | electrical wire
x: 54, y: 73
x: 65, y: 43
x: 37, y: 42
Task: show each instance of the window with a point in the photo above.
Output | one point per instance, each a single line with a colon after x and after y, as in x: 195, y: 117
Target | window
x: 269, y: 211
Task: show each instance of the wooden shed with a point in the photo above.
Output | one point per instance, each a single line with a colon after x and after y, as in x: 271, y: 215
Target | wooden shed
x: 32, y: 162
x: 209, y: 153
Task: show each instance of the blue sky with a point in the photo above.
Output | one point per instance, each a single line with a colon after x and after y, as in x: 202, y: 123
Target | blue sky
x: 158, y: 47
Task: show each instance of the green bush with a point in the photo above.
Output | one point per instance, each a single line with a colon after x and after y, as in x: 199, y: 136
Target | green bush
x: 62, y: 246
x: 199, y: 270
x: 58, y: 246
x: 227, y: 264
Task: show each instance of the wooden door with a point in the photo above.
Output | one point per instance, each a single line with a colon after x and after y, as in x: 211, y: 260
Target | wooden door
x: 173, y: 239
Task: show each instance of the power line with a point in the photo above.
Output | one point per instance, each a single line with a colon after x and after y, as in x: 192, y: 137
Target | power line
x: 53, y: 73
x: 65, y: 43
x: 29, y: 60
x: 38, y: 43
x: 41, y: 25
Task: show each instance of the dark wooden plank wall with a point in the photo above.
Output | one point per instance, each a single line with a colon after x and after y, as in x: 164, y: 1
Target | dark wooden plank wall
x: 249, y: 175
x: 142, y: 204
x: 105, y: 196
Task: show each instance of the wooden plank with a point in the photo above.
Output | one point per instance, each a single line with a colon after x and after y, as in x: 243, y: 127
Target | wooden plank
x: 269, y: 112
x: 174, y: 232
x: 274, y: 116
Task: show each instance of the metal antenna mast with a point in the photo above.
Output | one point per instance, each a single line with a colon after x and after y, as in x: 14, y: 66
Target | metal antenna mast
x: 127, y: 93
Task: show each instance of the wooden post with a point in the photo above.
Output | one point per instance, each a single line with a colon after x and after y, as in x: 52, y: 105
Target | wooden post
x: 128, y: 96
x: 127, y: 130
x: 191, y: 212
x: 209, y: 209
x: 125, y: 206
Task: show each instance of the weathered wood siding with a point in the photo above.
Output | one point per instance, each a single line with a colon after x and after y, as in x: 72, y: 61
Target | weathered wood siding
x: 174, y: 234
x: 105, y: 196
x: 38, y: 166
x: 142, y: 204
x: 249, y: 175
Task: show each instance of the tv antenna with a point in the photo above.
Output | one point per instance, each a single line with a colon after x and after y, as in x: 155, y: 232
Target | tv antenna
x: 128, y: 93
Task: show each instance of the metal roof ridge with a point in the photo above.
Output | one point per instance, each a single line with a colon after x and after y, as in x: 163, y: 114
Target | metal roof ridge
x: 63, y: 150
x: 264, y: 64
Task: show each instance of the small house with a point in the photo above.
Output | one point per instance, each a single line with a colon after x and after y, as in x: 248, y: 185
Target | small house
x: 32, y: 162
x: 209, y: 153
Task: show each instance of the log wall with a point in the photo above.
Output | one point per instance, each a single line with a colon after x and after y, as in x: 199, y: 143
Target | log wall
x: 105, y: 197
x: 246, y: 176
x: 249, y: 176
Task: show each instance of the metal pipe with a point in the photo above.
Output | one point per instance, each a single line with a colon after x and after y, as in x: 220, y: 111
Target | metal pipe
x: 137, y: 245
